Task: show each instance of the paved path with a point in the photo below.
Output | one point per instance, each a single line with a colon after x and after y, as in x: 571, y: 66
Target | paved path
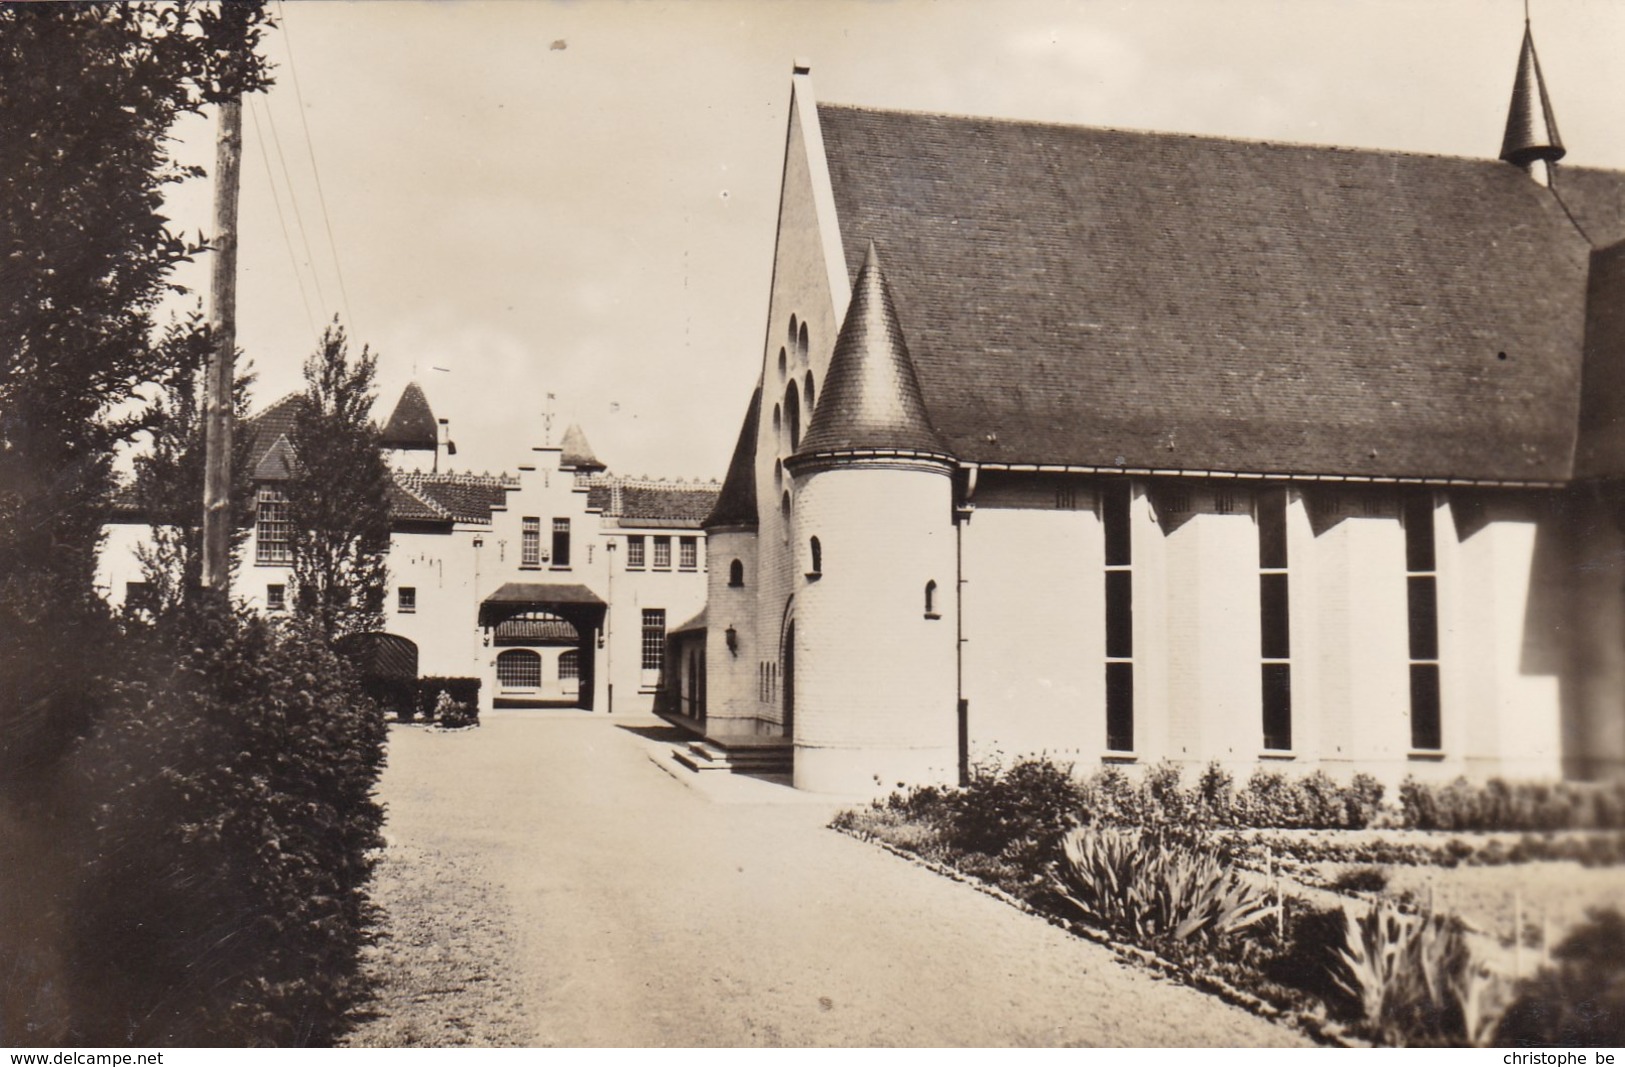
x: 610, y: 903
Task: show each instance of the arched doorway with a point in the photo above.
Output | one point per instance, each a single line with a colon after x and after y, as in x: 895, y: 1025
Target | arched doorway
x: 789, y: 658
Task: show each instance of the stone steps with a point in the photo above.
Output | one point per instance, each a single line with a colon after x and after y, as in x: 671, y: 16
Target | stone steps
x: 745, y: 756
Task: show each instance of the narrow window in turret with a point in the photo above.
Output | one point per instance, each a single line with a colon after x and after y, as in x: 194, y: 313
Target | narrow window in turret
x: 1422, y: 610
x: 1275, y: 630
x: 1114, y: 507
x: 816, y: 551
x: 736, y: 574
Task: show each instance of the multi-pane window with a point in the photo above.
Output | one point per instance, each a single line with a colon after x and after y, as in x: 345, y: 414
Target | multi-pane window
x: 273, y: 540
x: 1275, y: 627
x: 569, y: 665
x: 276, y: 597
x: 519, y: 668
x: 662, y: 553
x: 634, y: 553
x: 1114, y: 510
x: 530, y: 552
x: 688, y: 553
x: 406, y: 599
x: 561, y: 542
x: 1422, y: 610
x: 654, y: 638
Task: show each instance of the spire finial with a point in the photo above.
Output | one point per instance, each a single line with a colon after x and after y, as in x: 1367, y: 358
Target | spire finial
x: 1531, y: 139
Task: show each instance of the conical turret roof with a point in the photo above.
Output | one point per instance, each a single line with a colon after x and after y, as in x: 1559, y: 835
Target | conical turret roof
x: 576, y: 452
x: 736, y: 504
x: 871, y: 399
x: 1531, y: 131
x: 412, y: 426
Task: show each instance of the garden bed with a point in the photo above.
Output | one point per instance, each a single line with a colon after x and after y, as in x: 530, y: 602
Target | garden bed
x: 1307, y: 900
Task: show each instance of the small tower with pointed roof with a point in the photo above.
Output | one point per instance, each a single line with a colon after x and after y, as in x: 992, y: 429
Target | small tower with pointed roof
x: 412, y: 436
x: 1531, y: 140
x: 576, y: 454
x: 731, y: 596
x: 874, y: 630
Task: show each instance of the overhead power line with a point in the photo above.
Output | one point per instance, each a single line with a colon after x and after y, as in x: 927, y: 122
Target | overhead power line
x: 299, y: 96
x: 281, y: 220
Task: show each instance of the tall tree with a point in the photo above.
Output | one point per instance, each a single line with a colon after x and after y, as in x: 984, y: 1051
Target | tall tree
x: 88, y: 93
x: 338, y: 499
x: 169, y: 475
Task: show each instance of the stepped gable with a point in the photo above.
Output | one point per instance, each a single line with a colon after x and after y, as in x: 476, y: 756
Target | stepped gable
x: 1160, y: 301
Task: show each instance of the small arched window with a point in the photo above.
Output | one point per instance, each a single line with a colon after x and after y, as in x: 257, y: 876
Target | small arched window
x: 736, y: 574
x: 817, y: 556
x: 569, y: 665
x: 793, y: 332
x: 801, y: 343
x: 931, y: 600
x: 784, y: 512
x: 792, y: 415
x: 784, y: 364
x: 808, y: 397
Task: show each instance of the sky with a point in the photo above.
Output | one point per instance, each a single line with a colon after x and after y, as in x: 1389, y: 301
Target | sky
x: 538, y: 206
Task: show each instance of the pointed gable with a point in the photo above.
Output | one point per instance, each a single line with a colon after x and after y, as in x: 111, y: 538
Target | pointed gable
x: 412, y: 426
x: 871, y: 399
x: 576, y: 452
x: 736, y: 504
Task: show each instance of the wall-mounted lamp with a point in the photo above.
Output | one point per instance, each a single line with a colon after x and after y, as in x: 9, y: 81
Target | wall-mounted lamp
x: 732, y: 637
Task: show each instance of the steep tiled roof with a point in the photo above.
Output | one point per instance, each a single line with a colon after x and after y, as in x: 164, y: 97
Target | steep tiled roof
x: 736, y: 504
x: 1107, y: 298
x: 651, y: 502
x: 412, y: 425
x: 275, y: 422
x: 871, y: 399
x: 574, y: 451
x: 1531, y: 131
x: 464, y: 497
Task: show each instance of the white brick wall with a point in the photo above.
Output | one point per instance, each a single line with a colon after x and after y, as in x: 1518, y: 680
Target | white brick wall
x: 875, y: 696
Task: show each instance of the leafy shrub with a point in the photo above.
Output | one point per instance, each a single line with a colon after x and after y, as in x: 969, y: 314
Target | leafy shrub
x: 1151, y: 890
x: 229, y: 798
x: 1414, y: 979
x: 1361, y: 880
x: 454, y: 715
x: 1580, y: 1001
x: 1034, y: 801
x: 461, y: 690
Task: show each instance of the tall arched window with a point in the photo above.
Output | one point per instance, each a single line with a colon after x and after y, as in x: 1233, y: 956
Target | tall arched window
x: 801, y: 343
x: 931, y: 600
x: 794, y: 332
x: 784, y: 364
x: 784, y: 512
x: 519, y: 668
x: 792, y: 415
x: 808, y: 398
x: 817, y: 556
x: 736, y: 574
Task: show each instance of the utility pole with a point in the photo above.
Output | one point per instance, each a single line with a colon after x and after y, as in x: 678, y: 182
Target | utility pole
x: 218, y: 408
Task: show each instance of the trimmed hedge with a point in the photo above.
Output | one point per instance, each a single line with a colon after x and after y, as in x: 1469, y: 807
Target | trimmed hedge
x: 229, y: 824
x: 1502, y: 805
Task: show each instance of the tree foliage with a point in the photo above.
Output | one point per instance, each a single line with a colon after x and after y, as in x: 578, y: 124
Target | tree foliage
x: 169, y: 476
x: 88, y: 93
x: 338, y: 499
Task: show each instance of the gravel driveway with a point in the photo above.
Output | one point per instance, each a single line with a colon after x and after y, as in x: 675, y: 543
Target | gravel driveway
x: 547, y: 883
